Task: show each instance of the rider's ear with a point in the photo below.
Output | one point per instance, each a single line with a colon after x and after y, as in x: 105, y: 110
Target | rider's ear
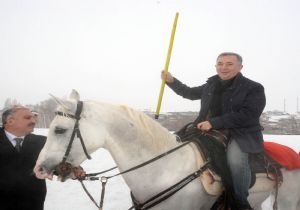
x: 74, y: 95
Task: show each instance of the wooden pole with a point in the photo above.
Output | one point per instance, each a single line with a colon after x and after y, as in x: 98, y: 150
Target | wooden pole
x: 166, y: 66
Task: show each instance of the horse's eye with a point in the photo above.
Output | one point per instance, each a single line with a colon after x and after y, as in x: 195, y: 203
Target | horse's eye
x: 60, y: 130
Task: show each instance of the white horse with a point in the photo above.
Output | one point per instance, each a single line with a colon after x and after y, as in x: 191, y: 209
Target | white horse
x: 132, y: 138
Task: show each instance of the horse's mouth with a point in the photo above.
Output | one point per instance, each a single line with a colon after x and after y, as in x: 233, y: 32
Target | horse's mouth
x: 63, y: 171
x: 67, y: 170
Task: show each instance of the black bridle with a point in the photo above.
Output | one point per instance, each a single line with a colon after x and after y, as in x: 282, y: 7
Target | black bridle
x: 76, y: 131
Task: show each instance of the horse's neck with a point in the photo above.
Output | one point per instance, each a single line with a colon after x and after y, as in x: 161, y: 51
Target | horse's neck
x: 134, y: 137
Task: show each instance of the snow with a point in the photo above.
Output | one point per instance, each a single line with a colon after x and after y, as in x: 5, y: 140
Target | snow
x: 69, y: 195
x: 276, y: 118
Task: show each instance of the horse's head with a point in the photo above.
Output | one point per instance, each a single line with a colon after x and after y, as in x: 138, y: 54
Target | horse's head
x: 64, y: 149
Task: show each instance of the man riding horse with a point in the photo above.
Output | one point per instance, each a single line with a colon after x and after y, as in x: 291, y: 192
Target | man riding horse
x: 234, y: 103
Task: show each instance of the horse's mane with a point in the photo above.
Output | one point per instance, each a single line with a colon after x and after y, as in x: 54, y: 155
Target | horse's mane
x: 160, y: 136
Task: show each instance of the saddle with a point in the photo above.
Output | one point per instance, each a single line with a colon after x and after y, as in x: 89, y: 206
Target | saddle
x: 211, y: 146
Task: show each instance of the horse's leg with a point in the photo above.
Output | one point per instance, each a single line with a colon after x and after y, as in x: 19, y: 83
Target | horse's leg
x: 257, y: 198
x: 267, y: 204
x: 289, y: 192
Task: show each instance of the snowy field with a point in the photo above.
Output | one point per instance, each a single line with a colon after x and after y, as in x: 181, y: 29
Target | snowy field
x: 69, y: 195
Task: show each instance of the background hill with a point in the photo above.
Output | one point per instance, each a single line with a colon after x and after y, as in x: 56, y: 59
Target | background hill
x: 273, y: 122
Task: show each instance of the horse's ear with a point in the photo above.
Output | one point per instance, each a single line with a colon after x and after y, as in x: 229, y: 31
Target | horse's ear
x: 60, y: 102
x: 74, y: 95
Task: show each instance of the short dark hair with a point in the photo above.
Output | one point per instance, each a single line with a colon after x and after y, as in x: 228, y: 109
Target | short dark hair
x: 239, y: 57
x: 9, y: 112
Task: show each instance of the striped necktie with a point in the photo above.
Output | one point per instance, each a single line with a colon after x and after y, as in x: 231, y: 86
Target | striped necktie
x: 18, y: 144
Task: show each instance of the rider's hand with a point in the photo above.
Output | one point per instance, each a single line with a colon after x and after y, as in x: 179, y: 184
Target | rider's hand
x: 204, y: 126
x: 167, y: 77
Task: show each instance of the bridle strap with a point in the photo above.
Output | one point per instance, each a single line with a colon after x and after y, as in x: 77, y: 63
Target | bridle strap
x: 83, y: 145
x: 76, y: 131
x: 165, y: 194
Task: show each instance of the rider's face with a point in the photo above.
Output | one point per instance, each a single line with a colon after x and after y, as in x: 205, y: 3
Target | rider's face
x: 228, y: 67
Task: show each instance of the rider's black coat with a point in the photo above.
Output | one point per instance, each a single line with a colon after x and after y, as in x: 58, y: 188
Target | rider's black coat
x: 19, y: 188
x: 242, y: 105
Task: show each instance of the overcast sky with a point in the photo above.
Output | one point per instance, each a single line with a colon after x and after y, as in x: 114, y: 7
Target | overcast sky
x: 114, y: 50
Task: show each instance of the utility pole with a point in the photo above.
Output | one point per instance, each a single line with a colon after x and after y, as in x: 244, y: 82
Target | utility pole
x: 284, y: 105
x: 297, y: 109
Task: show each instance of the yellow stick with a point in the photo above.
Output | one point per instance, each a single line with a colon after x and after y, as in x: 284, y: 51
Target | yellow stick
x: 166, y: 66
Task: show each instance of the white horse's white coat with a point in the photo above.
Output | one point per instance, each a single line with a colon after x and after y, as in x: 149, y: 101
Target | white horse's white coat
x: 133, y: 138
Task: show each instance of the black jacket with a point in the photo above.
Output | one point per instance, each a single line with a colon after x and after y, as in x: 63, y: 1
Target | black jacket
x: 242, y: 105
x: 17, y: 180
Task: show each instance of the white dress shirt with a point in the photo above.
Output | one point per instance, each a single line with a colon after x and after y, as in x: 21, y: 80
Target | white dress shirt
x: 11, y: 137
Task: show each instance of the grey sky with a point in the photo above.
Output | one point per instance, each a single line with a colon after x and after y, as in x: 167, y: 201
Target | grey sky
x: 114, y: 50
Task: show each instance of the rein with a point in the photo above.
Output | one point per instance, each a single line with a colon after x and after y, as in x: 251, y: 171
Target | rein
x: 156, y: 199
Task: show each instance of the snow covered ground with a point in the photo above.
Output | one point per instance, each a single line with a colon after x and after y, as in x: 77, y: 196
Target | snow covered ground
x: 69, y: 195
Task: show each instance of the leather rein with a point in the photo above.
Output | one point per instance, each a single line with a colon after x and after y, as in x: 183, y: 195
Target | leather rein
x: 65, y: 168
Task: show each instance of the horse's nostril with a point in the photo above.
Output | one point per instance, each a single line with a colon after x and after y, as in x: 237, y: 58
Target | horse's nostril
x: 55, y: 173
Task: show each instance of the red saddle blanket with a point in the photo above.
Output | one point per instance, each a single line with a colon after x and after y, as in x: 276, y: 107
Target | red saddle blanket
x: 283, y: 155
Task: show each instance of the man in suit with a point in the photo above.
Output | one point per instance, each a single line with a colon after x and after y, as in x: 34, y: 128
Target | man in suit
x: 19, y: 150
x: 231, y: 102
